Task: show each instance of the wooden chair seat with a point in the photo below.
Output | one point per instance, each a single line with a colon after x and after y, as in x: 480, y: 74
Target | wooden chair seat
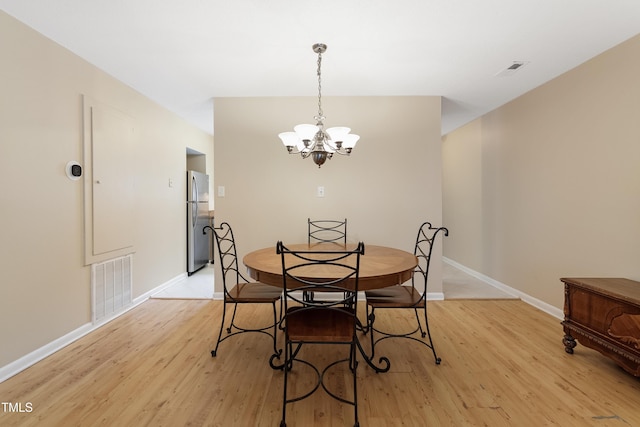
x: 253, y: 292
x: 312, y: 325
x: 394, y: 297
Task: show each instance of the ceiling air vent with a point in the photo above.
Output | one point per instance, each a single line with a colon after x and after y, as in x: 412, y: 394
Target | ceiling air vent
x: 511, y: 69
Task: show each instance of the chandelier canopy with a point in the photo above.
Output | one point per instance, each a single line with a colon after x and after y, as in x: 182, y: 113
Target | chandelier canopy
x: 312, y: 140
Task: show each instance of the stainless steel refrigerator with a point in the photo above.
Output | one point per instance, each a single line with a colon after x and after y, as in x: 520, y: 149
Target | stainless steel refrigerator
x: 197, y: 219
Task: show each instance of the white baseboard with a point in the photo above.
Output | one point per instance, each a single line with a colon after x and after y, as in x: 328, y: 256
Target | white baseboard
x: 435, y: 296
x: 166, y: 285
x: 37, y: 355
x: 32, y: 358
x: 539, y: 304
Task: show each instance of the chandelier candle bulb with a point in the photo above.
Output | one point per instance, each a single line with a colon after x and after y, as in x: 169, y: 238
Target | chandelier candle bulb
x: 312, y: 140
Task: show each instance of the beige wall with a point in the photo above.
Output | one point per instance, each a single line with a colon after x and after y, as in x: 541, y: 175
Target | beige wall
x: 386, y: 188
x: 45, y: 287
x: 548, y: 186
x: 462, y: 193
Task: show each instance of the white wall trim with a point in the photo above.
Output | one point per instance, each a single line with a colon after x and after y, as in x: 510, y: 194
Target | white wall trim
x: 435, y: 296
x: 46, y: 350
x: 35, y: 356
x: 539, y: 304
x: 166, y: 285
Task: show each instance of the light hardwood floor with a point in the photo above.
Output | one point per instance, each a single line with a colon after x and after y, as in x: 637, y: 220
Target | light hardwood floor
x: 503, y: 364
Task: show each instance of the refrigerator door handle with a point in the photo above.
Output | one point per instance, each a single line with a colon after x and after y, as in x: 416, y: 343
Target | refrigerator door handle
x: 194, y: 201
x: 195, y: 194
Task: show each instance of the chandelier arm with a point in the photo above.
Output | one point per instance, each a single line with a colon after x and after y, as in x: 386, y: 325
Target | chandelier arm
x: 293, y: 150
x: 342, y: 152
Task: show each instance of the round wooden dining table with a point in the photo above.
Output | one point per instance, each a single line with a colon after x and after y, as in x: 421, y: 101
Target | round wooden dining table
x: 380, y: 266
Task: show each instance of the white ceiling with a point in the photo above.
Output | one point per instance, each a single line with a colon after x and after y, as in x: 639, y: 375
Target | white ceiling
x: 184, y: 53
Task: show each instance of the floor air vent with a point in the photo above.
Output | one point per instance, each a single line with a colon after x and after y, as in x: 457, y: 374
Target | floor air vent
x: 110, y: 287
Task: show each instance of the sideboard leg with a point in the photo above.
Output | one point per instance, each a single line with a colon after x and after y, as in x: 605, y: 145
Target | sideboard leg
x: 569, y: 343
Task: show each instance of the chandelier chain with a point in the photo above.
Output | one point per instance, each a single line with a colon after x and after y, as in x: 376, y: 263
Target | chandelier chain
x: 320, y: 113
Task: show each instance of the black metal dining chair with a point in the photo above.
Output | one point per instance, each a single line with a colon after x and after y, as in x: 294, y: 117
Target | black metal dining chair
x: 331, y: 321
x: 407, y: 296
x: 238, y: 290
x: 327, y: 231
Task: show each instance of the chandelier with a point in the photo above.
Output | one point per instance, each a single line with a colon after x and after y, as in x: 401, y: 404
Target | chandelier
x: 312, y: 140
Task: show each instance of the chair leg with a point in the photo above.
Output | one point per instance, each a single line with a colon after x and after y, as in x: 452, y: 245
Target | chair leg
x: 281, y: 317
x: 275, y: 331
x: 433, y: 347
x: 354, y: 363
x: 233, y: 318
x: 307, y: 296
x: 365, y: 326
x: 287, y: 355
x: 371, y: 318
x: 422, y: 333
x: 224, y: 312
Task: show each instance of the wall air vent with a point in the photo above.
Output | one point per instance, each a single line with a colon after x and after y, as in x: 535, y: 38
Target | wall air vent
x: 111, y: 287
x: 511, y: 69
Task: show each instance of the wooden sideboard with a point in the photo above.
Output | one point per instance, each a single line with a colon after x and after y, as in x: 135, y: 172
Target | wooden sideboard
x: 604, y: 314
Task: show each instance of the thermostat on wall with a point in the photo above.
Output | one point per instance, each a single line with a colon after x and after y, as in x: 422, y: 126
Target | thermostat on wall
x: 74, y: 170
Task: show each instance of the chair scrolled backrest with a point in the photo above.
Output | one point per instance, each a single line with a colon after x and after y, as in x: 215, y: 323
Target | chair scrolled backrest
x: 228, y: 255
x: 327, y: 231
x: 335, y: 271
x: 424, y: 247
